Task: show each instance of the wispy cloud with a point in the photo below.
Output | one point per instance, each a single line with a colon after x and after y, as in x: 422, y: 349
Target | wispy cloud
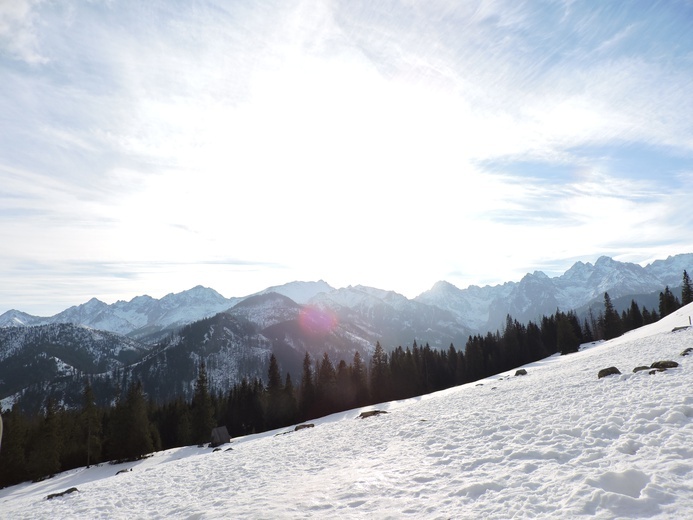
x: 19, y: 31
x: 338, y: 139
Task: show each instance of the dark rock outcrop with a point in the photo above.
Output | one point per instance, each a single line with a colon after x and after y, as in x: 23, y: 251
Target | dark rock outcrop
x: 687, y: 352
x: 604, y: 372
x: 304, y: 426
x: 66, y: 492
x: 640, y: 369
x: 371, y: 413
x: 664, y: 364
x: 521, y: 372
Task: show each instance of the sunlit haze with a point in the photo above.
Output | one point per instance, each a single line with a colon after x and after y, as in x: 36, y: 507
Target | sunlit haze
x: 149, y: 147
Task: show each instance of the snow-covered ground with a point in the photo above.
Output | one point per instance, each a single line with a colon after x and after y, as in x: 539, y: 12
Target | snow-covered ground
x: 556, y: 443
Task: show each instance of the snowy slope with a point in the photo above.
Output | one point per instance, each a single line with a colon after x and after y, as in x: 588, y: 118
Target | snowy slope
x: 556, y: 443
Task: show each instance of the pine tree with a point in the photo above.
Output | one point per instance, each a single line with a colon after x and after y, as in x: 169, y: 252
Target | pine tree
x: 587, y: 332
x: 686, y: 290
x: 44, y: 459
x: 307, y: 390
x: 182, y: 422
x: 635, y: 316
x: 91, y: 425
x: 326, y: 386
x: 202, y: 410
x: 289, y: 405
x: 380, y: 375
x: 345, y: 390
x: 273, y: 415
x: 668, y: 302
x: 567, y: 340
x: 13, y: 459
x: 612, y: 321
x: 139, y: 436
x: 359, y: 380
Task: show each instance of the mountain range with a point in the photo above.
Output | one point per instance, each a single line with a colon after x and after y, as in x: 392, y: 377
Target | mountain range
x: 162, y: 341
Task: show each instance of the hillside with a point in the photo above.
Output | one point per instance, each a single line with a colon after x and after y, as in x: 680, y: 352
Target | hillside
x: 558, y: 442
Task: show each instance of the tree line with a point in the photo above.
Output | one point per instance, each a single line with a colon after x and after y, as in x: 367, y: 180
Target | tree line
x: 59, y: 438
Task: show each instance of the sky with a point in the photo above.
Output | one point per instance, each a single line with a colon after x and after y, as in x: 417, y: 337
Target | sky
x: 149, y: 147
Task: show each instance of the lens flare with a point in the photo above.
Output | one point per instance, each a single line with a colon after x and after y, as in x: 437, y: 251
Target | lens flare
x: 317, y: 321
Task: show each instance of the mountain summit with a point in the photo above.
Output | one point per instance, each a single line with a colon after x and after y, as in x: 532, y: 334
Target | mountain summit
x: 485, y: 308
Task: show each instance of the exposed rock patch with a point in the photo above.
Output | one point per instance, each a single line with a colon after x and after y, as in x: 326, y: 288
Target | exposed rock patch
x: 664, y: 364
x: 521, y: 372
x: 66, y: 492
x: 304, y: 426
x: 604, y: 372
x: 371, y: 413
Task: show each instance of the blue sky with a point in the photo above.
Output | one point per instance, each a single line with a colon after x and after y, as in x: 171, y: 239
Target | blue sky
x: 148, y: 147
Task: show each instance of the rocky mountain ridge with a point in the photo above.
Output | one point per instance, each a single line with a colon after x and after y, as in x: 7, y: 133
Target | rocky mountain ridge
x: 167, y: 338
x: 475, y: 309
x: 485, y: 308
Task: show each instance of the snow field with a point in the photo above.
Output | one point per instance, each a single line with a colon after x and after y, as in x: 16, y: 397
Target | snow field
x: 556, y: 443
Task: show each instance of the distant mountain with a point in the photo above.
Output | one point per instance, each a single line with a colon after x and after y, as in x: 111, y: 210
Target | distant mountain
x: 34, y: 358
x: 474, y: 309
x: 143, y: 317
x: 392, y: 319
x: 300, y: 292
x: 485, y: 308
x: 15, y: 318
x: 161, y: 342
x: 237, y: 343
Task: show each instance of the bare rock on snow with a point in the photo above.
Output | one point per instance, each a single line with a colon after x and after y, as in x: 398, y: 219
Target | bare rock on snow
x: 371, y: 413
x: 608, y: 372
x: 687, y: 352
x: 66, y: 492
x: 304, y: 426
x: 521, y: 372
x: 664, y: 364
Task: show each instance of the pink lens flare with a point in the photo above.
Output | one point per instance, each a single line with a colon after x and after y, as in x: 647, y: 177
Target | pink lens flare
x: 317, y: 321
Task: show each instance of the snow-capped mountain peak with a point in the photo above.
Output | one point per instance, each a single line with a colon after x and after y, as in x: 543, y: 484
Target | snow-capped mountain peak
x: 300, y: 292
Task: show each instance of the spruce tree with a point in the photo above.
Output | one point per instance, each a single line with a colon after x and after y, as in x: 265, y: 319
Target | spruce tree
x: 91, y: 425
x: 307, y: 390
x: 380, y: 374
x: 612, y: 321
x: 566, y: 340
x: 326, y: 386
x: 13, y: 455
x: 273, y: 415
x: 345, y: 390
x: 202, y: 410
x: 668, y: 302
x: 359, y: 380
x: 686, y: 290
x: 635, y: 315
x: 139, y: 436
x: 44, y: 458
x: 289, y: 405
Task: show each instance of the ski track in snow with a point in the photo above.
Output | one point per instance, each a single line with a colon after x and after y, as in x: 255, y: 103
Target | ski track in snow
x: 556, y: 443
